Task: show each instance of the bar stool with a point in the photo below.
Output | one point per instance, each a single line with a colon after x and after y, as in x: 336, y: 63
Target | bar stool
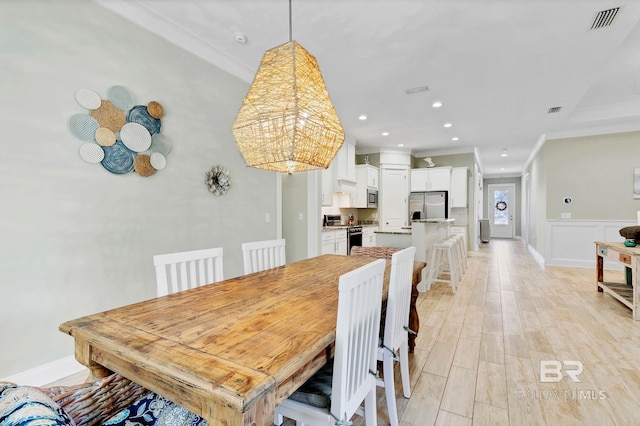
x: 458, y: 257
x: 460, y: 253
x: 444, y: 262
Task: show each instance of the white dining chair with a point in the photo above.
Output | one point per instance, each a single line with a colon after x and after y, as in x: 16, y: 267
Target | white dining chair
x: 335, y: 393
x: 188, y: 269
x: 260, y: 255
x: 394, y: 347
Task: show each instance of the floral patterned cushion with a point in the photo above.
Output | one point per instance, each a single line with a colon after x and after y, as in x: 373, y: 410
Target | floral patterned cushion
x: 154, y: 410
x: 27, y: 406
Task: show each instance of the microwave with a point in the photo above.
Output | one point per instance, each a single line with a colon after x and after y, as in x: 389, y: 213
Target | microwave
x: 372, y: 198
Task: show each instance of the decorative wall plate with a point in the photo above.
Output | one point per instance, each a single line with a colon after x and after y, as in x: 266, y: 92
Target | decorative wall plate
x: 135, y: 137
x: 88, y: 99
x: 218, y: 180
x: 91, y: 152
x: 84, y: 127
x: 118, y: 159
x: 122, y: 136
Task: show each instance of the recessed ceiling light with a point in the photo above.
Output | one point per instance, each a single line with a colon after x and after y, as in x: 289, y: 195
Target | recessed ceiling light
x: 385, y: 133
x: 502, y: 169
x: 437, y: 104
x: 504, y: 153
x: 240, y: 38
x: 455, y: 138
x: 400, y: 144
x: 362, y: 117
x: 448, y: 124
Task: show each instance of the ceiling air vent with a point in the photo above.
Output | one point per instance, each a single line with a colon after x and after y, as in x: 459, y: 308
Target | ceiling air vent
x: 604, y: 18
x: 414, y: 90
x: 553, y: 110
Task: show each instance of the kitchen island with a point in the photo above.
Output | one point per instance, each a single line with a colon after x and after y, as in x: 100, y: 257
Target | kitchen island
x: 400, y: 238
x: 426, y: 232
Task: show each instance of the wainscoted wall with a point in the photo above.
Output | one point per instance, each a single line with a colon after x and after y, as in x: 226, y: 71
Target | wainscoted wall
x: 571, y: 242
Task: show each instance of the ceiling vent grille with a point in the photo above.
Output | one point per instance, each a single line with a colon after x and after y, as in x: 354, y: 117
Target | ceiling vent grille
x: 414, y: 90
x: 553, y: 110
x: 604, y: 18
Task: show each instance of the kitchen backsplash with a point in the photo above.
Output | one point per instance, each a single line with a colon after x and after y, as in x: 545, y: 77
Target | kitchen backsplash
x: 361, y: 216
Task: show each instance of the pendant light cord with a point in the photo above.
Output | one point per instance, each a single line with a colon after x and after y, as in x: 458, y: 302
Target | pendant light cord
x: 290, y: 22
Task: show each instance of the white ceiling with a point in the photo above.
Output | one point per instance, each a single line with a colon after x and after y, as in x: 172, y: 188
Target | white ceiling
x: 497, y: 65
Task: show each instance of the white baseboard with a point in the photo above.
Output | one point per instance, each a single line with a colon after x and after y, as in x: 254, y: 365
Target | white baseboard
x: 47, y: 373
x: 537, y: 256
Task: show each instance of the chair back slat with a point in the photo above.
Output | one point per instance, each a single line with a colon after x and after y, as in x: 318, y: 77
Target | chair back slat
x: 184, y: 270
x: 357, y: 329
x: 260, y: 255
x: 399, y: 298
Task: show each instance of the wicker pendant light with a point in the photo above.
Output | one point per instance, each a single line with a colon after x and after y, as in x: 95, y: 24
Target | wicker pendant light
x: 287, y: 122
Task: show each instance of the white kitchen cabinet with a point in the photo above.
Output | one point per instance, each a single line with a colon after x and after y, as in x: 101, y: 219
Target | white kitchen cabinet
x: 458, y: 193
x: 334, y: 241
x: 345, y: 161
x: 431, y: 179
x: 393, y: 202
x: 341, y: 242
x: 328, y: 181
x: 367, y: 175
x: 367, y: 178
x: 369, y: 236
x: 328, y: 242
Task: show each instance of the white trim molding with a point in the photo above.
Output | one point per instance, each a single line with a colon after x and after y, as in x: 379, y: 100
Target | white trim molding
x: 47, y: 373
x: 537, y: 256
x: 571, y: 242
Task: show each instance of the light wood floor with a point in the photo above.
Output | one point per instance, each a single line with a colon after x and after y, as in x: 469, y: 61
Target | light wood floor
x: 477, y: 360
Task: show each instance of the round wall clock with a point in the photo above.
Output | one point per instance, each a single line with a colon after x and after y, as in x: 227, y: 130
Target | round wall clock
x: 218, y: 180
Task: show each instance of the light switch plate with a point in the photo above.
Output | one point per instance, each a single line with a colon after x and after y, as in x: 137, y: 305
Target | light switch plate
x: 565, y: 215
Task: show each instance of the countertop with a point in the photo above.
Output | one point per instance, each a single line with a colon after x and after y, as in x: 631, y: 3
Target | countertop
x: 338, y: 227
x: 434, y: 220
x: 401, y: 232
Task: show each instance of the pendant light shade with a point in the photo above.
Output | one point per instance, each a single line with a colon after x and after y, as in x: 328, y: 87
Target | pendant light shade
x: 287, y: 122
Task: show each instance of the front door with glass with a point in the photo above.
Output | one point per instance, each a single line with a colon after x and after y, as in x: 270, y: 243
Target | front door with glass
x: 502, y: 210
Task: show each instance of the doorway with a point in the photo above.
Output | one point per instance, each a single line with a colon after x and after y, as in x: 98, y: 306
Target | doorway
x: 502, y: 210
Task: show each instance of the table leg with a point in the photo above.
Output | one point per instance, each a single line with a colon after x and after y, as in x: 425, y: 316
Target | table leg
x: 599, y: 274
x: 634, y: 282
x: 414, y: 320
x: 83, y: 356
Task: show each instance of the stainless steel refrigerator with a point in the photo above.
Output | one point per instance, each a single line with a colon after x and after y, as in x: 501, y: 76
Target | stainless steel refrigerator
x: 428, y: 205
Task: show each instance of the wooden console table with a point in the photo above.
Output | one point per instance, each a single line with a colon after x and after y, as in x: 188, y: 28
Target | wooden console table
x: 629, y: 257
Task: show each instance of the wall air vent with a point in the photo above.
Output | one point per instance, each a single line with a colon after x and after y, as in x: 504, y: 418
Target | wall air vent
x: 413, y: 90
x: 553, y: 110
x: 604, y: 18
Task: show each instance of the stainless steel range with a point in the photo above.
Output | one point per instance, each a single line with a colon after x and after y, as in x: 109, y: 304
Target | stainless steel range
x: 354, y: 237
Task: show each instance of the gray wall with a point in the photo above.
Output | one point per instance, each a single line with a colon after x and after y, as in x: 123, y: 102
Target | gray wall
x: 294, y: 202
x: 596, y: 172
x: 75, y: 238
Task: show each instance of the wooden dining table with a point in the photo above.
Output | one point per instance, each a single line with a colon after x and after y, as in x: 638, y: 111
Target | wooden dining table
x: 228, y: 351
